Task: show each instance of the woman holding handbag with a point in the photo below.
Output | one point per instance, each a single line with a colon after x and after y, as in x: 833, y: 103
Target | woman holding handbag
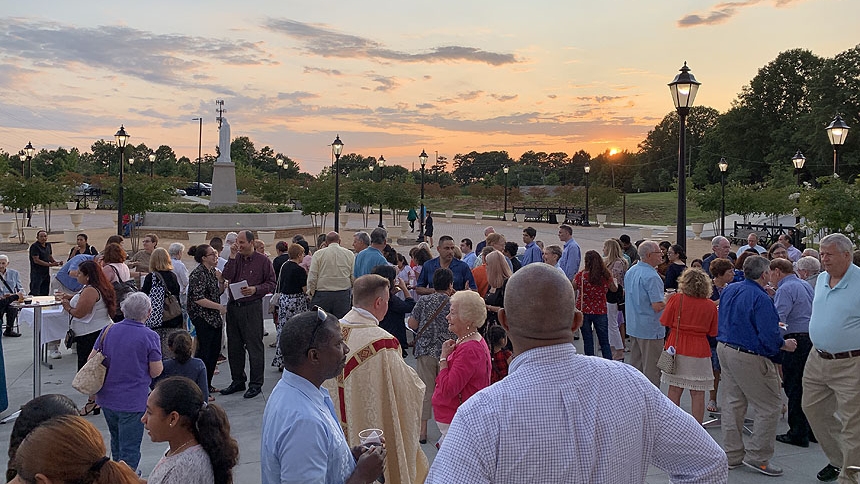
x: 162, y: 287
x: 692, y: 317
x: 429, y: 320
x: 617, y: 265
x: 90, y: 311
x: 292, y: 300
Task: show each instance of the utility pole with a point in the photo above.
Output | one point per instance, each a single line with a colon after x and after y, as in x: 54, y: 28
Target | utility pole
x: 220, y: 110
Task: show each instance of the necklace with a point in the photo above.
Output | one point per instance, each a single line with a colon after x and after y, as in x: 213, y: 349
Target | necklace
x: 464, y: 338
x: 171, y: 452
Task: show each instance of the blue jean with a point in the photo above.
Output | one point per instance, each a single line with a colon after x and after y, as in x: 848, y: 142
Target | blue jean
x: 126, y: 432
x: 601, y: 325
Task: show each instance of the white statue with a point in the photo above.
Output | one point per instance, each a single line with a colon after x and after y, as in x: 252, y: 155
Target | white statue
x: 224, y: 142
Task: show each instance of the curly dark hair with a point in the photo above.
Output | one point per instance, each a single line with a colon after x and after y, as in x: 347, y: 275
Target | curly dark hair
x: 96, y: 278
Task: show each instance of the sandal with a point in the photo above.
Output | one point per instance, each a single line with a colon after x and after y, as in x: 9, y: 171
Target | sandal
x: 91, y: 407
x: 712, y: 406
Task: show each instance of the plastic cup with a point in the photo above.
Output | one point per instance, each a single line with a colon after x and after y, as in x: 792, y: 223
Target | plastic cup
x: 370, y: 437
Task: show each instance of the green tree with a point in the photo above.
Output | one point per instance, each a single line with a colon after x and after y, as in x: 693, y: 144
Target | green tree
x: 317, y: 199
x: 140, y: 195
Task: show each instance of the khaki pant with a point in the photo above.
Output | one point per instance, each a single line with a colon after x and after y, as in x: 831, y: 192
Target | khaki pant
x: 831, y: 402
x: 428, y: 368
x: 748, y: 380
x: 644, y: 354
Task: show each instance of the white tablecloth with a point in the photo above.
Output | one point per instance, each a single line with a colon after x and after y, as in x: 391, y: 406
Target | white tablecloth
x: 55, y: 322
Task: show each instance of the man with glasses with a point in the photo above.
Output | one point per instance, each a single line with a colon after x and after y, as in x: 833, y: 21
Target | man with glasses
x: 301, y: 438
x: 376, y: 388
x: 140, y: 260
x: 720, y: 248
x: 644, y: 299
x: 245, y: 313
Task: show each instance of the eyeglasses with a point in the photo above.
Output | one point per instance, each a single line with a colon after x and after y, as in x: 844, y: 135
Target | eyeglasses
x: 321, y: 317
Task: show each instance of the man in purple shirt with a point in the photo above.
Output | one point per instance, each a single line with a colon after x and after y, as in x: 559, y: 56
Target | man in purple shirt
x: 245, y: 313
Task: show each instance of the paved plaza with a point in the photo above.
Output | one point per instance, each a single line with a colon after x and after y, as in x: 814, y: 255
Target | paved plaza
x: 800, y: 465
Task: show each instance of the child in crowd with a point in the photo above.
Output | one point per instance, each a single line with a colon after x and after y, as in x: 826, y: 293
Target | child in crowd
x: 497, y: 340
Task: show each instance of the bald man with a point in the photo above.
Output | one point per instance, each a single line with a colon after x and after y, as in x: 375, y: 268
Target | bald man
x: 539, y: 424
x: 330, y: 276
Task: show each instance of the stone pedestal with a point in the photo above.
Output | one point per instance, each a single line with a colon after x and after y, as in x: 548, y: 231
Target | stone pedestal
x: 223, y: 185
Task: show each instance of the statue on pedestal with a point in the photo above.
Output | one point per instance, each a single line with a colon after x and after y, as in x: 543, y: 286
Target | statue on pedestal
x: 223, y: 171
x: 224, y: 142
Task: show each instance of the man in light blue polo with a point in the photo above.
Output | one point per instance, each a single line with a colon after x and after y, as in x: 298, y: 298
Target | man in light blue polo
x: 831, y: 379
x: 371, y: 256
x: 644, y: 298
x: 67, y: 277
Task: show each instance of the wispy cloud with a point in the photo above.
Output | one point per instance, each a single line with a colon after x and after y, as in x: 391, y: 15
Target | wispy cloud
x: 325, y: 42
x: 167, y: 59
x: 723, y: 12
x: 504, y: 97
x: 320, y: 70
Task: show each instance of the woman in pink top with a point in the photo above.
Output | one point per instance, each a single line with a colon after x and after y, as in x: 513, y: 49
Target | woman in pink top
x: 465, y: 363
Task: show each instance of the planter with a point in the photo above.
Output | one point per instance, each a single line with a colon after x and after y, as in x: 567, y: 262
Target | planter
x: 7, y: 228
x: 268, y: 236
x: 646, y: 233
x: 393, y: 232
x: 601, y: 220
x: 71, y: 205
x: 93, y: 205
x: 697, y: 230
x: 344, y: 219
x: 30, y: 234
x: 478, y: 217
x: 197, y: 237
x: 77, y: 218
x: 559, y: 218
x: 70, y: 236
x: 449, y: 214
x: 509, y: 217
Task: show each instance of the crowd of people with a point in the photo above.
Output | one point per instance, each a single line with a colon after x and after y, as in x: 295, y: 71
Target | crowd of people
x: 492, y: 331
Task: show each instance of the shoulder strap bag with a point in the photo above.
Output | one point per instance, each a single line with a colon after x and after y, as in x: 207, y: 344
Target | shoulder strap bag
x: 666, y: 363
x: 427, y: 323
x: 91, y: 377
x: 276, y: 297
x: 6, y: 284
x: 172, y: 309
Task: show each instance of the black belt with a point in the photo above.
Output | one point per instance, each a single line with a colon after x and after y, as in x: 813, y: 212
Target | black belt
x: 796, y: 335
x: 240, y: 304
x: 838, y: 356
x: 741, y: 349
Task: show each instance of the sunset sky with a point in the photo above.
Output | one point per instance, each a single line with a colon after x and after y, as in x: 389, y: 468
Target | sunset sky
x: 391, y: 77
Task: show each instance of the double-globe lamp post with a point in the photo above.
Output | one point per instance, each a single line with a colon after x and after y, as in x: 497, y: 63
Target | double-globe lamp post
x: 683, y: 88
x: 121, y: 140
x: 798, y: 160
x: 587, y: 169
x: 27, y: 157
x: 723, y: 166
x: 423, y: 159
x: 151, y: 163
x: 280, y: 163
x: 336, y: 150
x: 837, y: 130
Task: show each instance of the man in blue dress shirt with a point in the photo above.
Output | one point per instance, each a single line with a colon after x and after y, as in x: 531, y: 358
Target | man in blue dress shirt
x: 302, y: 441
x: 533, y: 253
x: 67, y: 277
x: 645, y: 303
x: 571, y: 257
x: 462, y: 274
x: 748, y: 341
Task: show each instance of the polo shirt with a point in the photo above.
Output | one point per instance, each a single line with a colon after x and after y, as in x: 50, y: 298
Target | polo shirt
x: 366, y: 260
x: 642, y: 288
x: 462, y: 274
x: 835, y: 323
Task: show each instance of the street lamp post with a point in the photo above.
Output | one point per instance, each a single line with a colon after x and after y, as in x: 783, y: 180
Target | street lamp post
x: 723, y: 165
x: 29, y: 151
x: 837, y: 130
x: 683, y: 88
x: 587, y: 169
x: 121, y: 139
x: 505, y: 169
x: 336, y: 150
x: 798, y: 160
x: 199, y: 152
x: 381, y: 166
x: 280, y: 163
x: 151, y: 163
x: 423, y: 158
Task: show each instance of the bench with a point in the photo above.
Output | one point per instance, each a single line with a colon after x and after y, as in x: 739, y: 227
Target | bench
x: 767, y: 234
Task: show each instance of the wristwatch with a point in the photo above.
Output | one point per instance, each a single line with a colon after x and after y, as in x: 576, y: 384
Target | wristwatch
x: 443, y: 359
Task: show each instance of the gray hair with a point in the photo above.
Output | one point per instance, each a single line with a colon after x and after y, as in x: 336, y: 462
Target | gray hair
x: 811, y: 253
x: 175, y: 250
x: 716, y: 241
x: 231, y: 237
x: 754, y: 267
x: 136, y: 306
x: 4, y: 257
x: 363, y: 237
x: 809, y: 264
x: 838, y: 241
x: 378, y: 236
x: 646, y: 248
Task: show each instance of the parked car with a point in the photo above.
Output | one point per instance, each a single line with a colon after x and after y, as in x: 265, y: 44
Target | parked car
x: 194, y: 189
x: 180, y: 192
x: 85, y: 189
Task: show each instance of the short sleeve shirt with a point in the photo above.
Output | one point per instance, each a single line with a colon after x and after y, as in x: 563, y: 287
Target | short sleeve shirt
x: 592, y: 300
x: 430, y: 341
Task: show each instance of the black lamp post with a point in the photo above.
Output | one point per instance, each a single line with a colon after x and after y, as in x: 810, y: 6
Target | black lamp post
x: 723, y: 165
x: 151, y: 163
x: 683, y: 88
x: 798, y: 160
x: 505, y: 169
x: 280, y: 163
x: 199, y: 153
x: 423, y: 158
x: 837, y: 130
x: 121, y: 139
x: 587, y: 169
x: 27, y: 157
x: 336, y: 150
x: 381, y: 163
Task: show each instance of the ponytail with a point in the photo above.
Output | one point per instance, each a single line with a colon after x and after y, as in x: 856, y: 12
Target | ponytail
x: 112, y: 472
x: 212, y: 430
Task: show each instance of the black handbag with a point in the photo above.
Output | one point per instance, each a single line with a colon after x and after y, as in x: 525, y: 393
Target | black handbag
x: 616, y: 296
x: 70, y: 335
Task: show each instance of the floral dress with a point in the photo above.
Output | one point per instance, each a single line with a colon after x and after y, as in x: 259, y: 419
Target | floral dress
x: 291, y: 301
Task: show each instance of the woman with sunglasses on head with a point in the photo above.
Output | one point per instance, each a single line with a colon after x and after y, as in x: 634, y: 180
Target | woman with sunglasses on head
x: 205, y: 308
x: 202, y: 451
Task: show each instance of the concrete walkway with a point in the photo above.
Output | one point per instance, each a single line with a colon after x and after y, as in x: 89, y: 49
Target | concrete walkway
x: 800, y: 465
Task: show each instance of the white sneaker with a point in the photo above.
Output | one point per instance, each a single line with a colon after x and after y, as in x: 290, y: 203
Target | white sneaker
x: 55, y: 355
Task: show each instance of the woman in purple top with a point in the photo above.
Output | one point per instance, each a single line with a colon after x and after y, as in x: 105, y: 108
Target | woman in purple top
x: 133, y: 358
